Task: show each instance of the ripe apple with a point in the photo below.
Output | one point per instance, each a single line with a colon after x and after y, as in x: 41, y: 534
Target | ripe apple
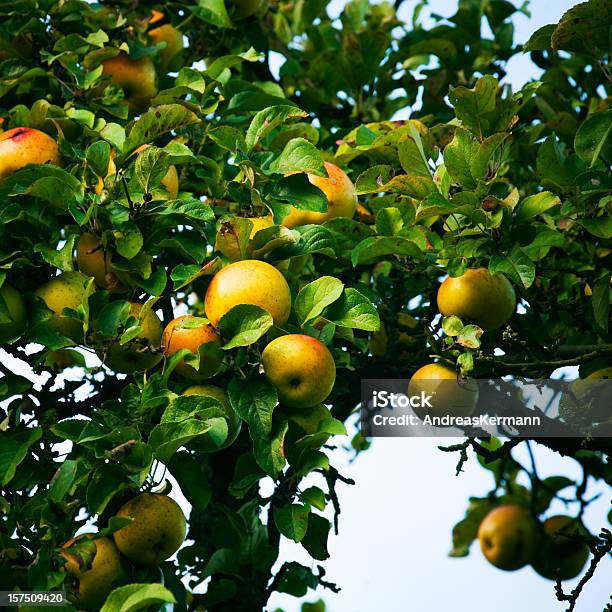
x: 508, y: 537
x: 241, y: 9
x: 112, y: 169
x: 248, y: 282
x: 477, y: 295
x: 188, y: 332
x: 205, y: 444
x: 449, y: 396
x: 13, y: 328
x: 138, y: 354
x: 168, y: 34
x: 559, y: 554
x: 157, y: 531
x: 170, y: 180
x: 137, y: 78
x: 341, y: 198
x: 301, y: 368
x: 95, y: 580
x: 94, y: 261
x: 22, y: 146
x: 260, y: 223
x: 65, y: 291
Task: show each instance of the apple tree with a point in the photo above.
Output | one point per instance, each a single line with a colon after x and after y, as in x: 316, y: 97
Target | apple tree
x: 213, y: 227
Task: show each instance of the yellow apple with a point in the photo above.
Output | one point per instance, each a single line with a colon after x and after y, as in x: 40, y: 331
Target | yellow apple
x: 559, y: 554
x: 112, y: 169
x: 477, y: 295
x: 341, y: 199
x: 188, y: 332
x: 94, y: 261
x: 141, y: 353
x: 137, y: 78
x: 449, y: 395
x: 508, y: 536
x: 260, y: 223
x: 205, y: 444
x: 168, y: 34
x: 93, y: 582
x: 301, y: 368
x: 248, y: 282
x: 22, y: 146
x: 65, y: 291
x: 157, y: 531
x: 13, y: 329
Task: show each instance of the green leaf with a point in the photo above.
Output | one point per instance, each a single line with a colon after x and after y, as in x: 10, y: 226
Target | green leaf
x: 298, y: 191
x: 246, y: 474
x: 189, y: 208
x: 584, y: 29
x: 373, y: 179
x: 229, y: 138
x: 469, y: 336
x: 14, y: 449
x: 389, y: 221
x: 62, y: 258
x: 244, y: 324
x: 314, y: 496
x: 299, y: 155
x: 191, y: 479
x: 269, y: 452
x: 412, y: 158
x: 601, y: 301
x: 353, y: 310
x: 517, y: 266
x: 254, y: 399
x: 269, y: 119
x: 292, y: 520
x: 221, y: 64
x: 150, y: 168
x: 315, y: 540
x: 62, y: 480
x: 133, y: 597
x: 474, y: 106
x: 315, y: 296
x: 458, y: 155
x: 128, y: 239
x: 112, y: 317
x: 540, y: 39
x: 601, y: 227
x: 536, y: 204
x: 374, y: 247
x: 296, y: 579
x: 593, y: 138
x: 105, y: 483
x: 157, y: 122
x: 212, y: 12
x: 452, y: 325
x: 166, y: 438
